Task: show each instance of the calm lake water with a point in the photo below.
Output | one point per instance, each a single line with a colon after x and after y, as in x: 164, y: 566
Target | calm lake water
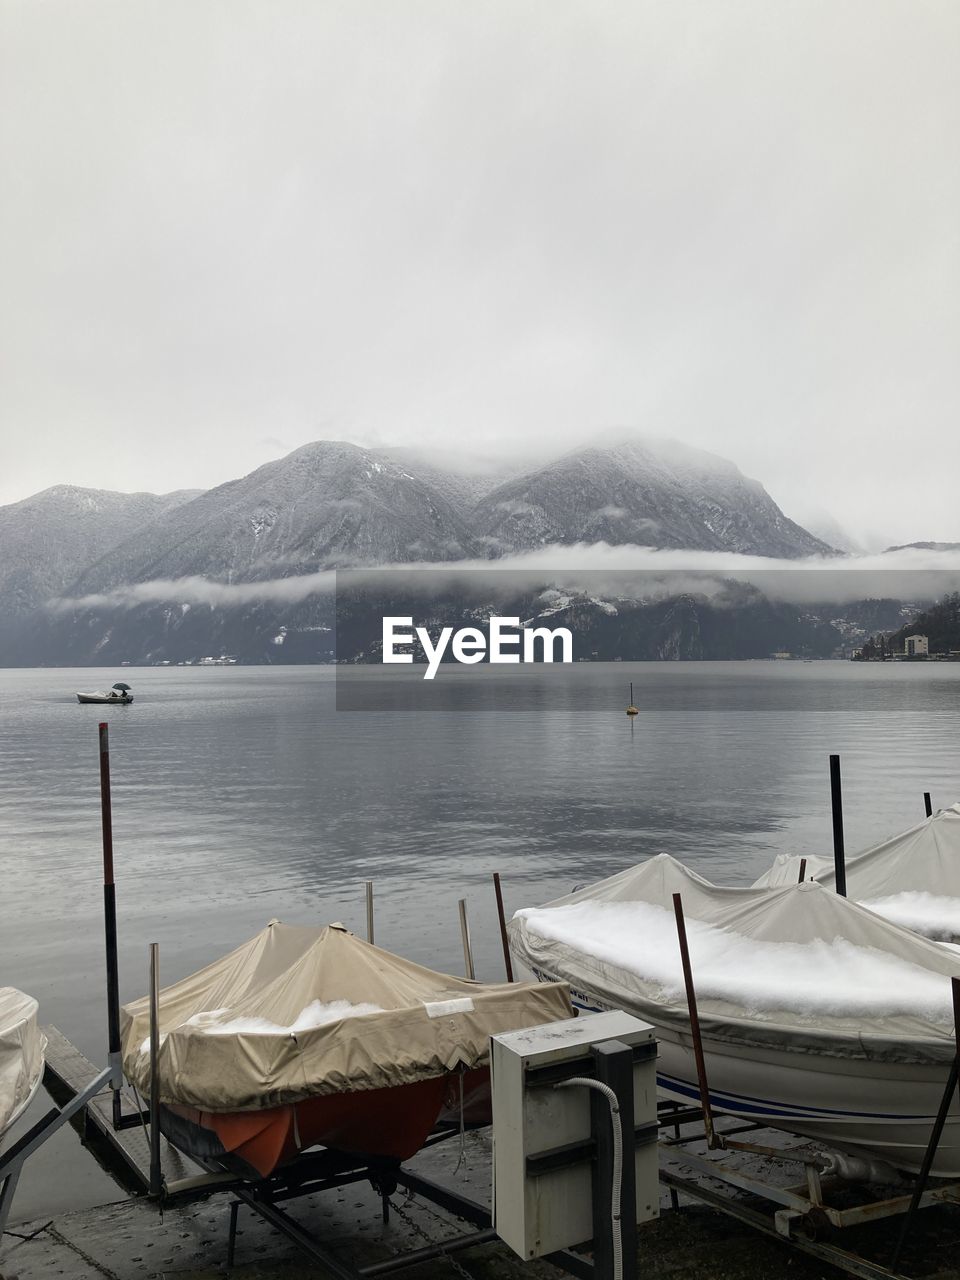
x: 241, y: 794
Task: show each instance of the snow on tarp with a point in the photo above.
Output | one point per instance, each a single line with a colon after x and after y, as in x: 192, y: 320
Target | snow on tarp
x: 298, y: 1012
x: 914, y: 876
x: 22, y: 1046
x: 797, y: 966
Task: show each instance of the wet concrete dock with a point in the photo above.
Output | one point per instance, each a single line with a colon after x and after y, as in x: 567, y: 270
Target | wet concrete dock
x: 131, y: 1240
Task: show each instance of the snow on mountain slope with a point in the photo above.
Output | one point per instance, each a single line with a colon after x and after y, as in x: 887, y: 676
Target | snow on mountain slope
x: 653, y: 493
x: 326, y: 504
x: 48, y: 539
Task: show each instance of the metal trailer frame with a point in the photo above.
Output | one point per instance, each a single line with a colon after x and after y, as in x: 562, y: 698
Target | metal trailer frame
x: 12, y: 1160
x: 799, y: 1212
x: 327, y: 1169
x: 803, y: 1210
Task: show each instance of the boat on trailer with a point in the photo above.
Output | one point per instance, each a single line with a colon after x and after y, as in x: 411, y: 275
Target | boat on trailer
x: 305, y: 1037
x: 22, y: 1049
x: 818, y: 1017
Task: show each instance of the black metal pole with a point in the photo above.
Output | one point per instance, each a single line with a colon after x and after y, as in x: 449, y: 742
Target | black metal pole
x: 927, y: 806
x: 613, y: 1062
x: 110, y: 925
x: 937, y: 1131
x: 698, y: 1056
x: 803, y: 871
x: 836, y: 800
x: 156, y: 1175
x: 507, y: 963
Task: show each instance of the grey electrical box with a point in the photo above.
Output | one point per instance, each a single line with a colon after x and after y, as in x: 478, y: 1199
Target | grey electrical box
x: 538, y: 1209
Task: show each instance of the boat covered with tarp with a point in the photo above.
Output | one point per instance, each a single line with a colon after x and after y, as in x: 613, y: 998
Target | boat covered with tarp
x: 912, y: 878
x: 117, y: 693
x: 304, y: 1037
x: 818, y: 1016
x: 22, y: 1049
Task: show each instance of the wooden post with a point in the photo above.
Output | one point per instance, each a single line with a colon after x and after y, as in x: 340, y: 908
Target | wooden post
x: 836, y: 800
x: 803, y: 870
x: 465, y: 934
x: 694, y: 1022
x: 370, y: 911
x: 110, y: 926
x: 156, y: 1176
x: 504, y: 942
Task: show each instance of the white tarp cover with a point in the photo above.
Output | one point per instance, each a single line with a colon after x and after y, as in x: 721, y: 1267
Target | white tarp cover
x: 913, y: 878
x: 796, y: 967
x: 299, y: 1012
x: 786, y: 870
x: 22, y: 1046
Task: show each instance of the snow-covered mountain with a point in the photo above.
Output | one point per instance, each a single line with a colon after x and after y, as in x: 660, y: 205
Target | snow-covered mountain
x: 654, y: 493
x: 323, y: 505
x: 48, y: 539
x: 333, y: 504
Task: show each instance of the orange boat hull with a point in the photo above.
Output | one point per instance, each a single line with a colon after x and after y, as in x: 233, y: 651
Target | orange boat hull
x: 386, y: 1123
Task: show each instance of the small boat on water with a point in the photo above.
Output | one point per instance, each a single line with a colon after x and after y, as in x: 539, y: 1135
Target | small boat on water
x: 22, y: 1049
x: 117, y: 693
x: 818, y: 1016
x: 304, y: 1037
x: 912, y: 878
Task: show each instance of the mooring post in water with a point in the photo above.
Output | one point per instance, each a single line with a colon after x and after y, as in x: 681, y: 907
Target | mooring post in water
x: 369, y: 910
x: 698, y: 1057
x: 110, y: 927
x: 953, y: 1080
x: 507, y: 963
x: 836, y: 801
x: 465, y: 934
x: 927, y: 806
x: 803, y: 870
x: 156, y: 1177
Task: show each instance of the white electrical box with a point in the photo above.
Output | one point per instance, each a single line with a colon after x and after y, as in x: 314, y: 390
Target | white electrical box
x: 538, y: 1209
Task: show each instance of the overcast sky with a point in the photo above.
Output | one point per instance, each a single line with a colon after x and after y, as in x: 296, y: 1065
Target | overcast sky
x: 228, y: 228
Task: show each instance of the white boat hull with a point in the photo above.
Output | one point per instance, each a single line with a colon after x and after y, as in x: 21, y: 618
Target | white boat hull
x: 885, y: 1109
x: 104, y: 699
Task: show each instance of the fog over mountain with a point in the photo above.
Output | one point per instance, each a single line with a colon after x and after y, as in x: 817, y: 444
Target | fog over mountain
x: 247, y: 567
x: 227, y: 230
x: 330, y: 503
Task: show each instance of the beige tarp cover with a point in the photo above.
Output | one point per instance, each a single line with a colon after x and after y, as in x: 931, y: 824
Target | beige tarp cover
x: 809, y: 914
x: 22, y: 1047
x: 428, y: 1023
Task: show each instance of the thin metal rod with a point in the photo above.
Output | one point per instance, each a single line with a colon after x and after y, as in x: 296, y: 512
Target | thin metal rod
x: 156, y: 1176
x: 836, y: 801
x: 507, y: 962
x: 927, y: 806
x: 465, y: 934
x: 370, y: 911
x: 110, y: 925
x: 694, y: 1021
x: 803, y: 870
x: 936, y: 1133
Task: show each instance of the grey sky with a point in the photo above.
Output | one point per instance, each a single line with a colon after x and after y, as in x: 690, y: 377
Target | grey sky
x: 227, y: 228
